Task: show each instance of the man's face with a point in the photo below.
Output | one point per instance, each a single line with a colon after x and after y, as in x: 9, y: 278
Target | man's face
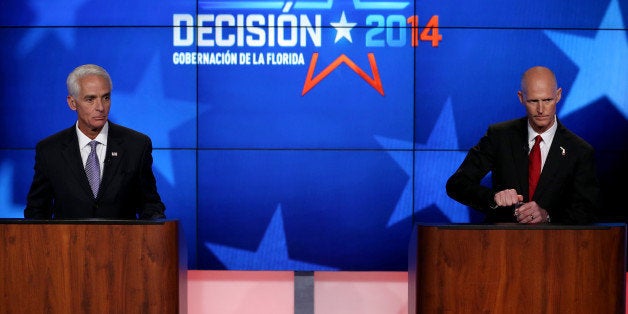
x: 540, y: 98
x: 92, y: 103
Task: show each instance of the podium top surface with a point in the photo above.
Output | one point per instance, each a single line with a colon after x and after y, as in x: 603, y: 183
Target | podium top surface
x: 516, y: 226
x: 90, y: 221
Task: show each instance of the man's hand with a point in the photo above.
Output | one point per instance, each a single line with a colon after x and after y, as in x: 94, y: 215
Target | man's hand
x: 531, y: 213
x: 507, y: 198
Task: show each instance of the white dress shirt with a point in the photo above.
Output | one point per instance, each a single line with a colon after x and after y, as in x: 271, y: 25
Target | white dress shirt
x: 548, y: 138
x: 101, y: 148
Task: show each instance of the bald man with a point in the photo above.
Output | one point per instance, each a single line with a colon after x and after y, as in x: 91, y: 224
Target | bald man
x: 565, y: 189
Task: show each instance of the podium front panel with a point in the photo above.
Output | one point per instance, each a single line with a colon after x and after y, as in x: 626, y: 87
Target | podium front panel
x: 517, y: 269
x: 92, y: 267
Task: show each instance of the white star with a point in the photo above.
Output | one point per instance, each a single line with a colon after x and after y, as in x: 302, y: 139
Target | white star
x: 343, y: 28
x: 602, y: 61
x: 432, y: 169
x: 271, y: 254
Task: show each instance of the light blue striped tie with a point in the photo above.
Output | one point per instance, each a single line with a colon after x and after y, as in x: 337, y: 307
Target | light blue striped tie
x: 92, y: 168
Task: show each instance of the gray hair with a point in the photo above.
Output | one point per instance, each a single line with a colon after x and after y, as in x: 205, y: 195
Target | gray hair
x: 84, y: 70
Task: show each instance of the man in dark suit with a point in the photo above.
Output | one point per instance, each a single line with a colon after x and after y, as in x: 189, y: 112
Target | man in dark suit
x: 566, y: 191
x: 94, y: 169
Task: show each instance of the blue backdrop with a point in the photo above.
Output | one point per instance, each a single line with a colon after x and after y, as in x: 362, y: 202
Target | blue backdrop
x: 311, y: 135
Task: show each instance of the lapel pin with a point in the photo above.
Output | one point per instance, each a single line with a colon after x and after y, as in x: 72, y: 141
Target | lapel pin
x: 563, y: 151
x: 115, y: 154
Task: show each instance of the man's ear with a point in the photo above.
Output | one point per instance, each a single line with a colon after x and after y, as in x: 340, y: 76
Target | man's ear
x: 71, y: 102
x: 520, y: 95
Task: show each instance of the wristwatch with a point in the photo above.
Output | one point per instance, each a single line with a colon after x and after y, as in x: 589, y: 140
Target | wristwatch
x: 492, y: 204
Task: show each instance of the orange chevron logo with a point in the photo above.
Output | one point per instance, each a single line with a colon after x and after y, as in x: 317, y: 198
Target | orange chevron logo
x: 310, y: 82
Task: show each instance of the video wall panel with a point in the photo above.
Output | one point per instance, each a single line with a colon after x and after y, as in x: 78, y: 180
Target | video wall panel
x: 275, y: 108
x: 324, y: 206
x: 81, y: 13
x: 311, y: 134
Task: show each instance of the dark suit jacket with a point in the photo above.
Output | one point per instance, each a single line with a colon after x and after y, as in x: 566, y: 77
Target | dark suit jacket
x: 568, y: 187
x: 60, y: 189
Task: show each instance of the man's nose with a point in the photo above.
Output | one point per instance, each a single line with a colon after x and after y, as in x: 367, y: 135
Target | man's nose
x: 99, y: 104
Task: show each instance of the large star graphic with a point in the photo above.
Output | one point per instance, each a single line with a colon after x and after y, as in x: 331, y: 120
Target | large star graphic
x: 271, y: 254
x: 51, y: 13
x: 8, y: 209
x: 343, y: 28
x: 144, y: 110
x: 432, y: 169
x: 602, y: 63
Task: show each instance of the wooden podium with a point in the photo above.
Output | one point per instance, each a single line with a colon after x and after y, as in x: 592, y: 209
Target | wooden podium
x: 517, y: 269
x: 93, y: 266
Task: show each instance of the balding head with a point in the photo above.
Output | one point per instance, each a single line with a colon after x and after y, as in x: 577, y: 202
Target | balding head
x: 539, y: 94
x: 536, y: 76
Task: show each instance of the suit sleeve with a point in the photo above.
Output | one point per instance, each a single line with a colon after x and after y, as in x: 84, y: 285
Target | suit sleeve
x: 152, y: 206
x: 40, y: 196
x: 464, y: 185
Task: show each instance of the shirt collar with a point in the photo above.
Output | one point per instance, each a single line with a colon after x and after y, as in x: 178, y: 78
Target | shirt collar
x: 101, y: 137
x: 547, y: 135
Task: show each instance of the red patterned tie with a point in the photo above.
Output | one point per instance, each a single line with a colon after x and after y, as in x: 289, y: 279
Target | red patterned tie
x: 534, y: 166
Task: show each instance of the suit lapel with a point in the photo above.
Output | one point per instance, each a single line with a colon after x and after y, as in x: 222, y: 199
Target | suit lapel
x: 552, y: 162
x: 71, y: 154
x: 115, y: 153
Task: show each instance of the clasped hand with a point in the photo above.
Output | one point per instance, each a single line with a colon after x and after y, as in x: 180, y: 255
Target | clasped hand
x: 527, y: 213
